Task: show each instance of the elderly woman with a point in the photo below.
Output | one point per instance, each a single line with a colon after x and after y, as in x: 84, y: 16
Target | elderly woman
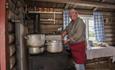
x: 76, y: 39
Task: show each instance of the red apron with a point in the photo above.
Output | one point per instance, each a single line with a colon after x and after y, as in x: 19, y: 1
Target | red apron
x: 78, y: 51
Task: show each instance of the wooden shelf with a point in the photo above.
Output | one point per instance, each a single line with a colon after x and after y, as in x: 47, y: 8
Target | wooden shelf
x: 53, y: 20
x: 45, y: 12
x: 49, y: 24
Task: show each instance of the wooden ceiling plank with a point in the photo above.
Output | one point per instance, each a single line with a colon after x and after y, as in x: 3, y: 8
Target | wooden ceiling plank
x: 81, y: 3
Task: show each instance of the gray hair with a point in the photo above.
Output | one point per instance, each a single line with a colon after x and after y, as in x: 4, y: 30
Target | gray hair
x: 73, y: 9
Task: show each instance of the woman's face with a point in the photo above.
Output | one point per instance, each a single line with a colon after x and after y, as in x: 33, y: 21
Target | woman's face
x: 73, y: 14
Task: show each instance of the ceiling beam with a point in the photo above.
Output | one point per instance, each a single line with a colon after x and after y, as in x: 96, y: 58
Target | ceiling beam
x: 81, y: 3
x: 93, y: 4
x: 89, y: 12
x: 56, y: 1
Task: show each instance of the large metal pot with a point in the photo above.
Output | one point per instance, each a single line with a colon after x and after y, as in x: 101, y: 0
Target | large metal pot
x: 35, y: 40
x: 36, y: 50
x: 54, y: 46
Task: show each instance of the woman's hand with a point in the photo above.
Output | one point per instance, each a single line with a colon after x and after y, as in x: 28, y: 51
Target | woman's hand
x: 66, y: 42
x: 63, y: 34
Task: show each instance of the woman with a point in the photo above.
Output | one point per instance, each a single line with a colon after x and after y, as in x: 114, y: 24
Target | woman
x: 76, y: 39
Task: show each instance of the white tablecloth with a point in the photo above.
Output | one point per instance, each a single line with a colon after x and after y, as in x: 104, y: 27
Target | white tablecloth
x: 97, y: 52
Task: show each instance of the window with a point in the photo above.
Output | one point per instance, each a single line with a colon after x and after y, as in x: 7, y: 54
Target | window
x: 90, y: 32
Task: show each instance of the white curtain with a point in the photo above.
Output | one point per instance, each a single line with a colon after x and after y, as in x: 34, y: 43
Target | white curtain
x: 99, y: 26
x: 66, y: 18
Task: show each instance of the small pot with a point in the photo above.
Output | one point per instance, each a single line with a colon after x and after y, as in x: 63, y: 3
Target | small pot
x: 36, y: 50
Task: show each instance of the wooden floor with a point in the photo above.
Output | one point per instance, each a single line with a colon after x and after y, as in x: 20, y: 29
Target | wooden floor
x: 98, y: 67
x: 99, y: 64
x: 104, y: 63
